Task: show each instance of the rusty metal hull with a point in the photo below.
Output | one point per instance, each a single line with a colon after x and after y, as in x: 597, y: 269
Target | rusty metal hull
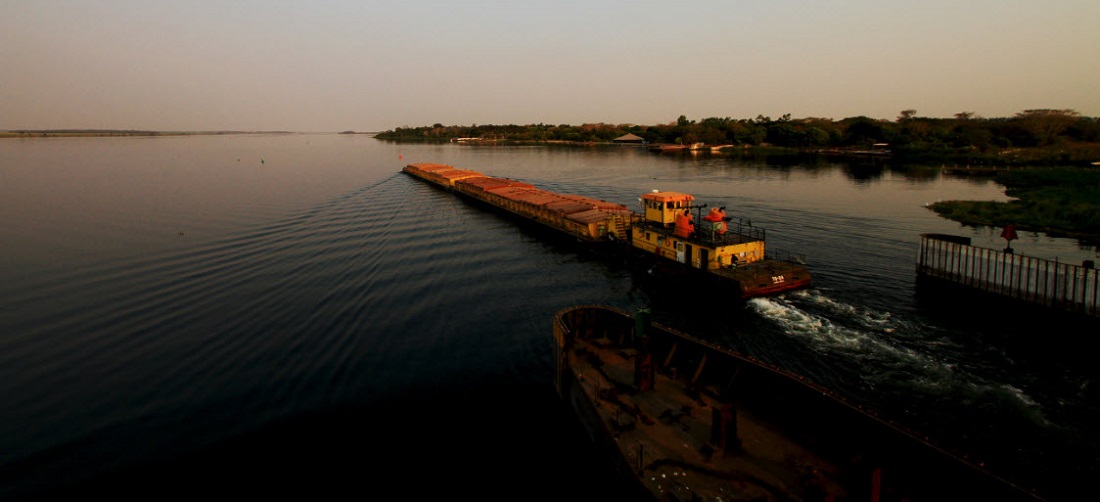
x: 766, y: 277
x: 684, y: 419
x: 762, y: 278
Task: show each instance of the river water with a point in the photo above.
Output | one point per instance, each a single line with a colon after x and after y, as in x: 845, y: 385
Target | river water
x: 279, y: 314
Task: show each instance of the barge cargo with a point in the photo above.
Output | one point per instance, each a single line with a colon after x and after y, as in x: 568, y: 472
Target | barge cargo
x: 684, y: 419
x: 705, y: 249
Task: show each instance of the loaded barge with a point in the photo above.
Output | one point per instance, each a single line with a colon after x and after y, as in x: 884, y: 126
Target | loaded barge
x: 688, y: 420
x: 664, y: 232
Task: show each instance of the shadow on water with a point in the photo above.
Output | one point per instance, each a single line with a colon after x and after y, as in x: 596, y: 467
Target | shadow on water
x: 434, y: 443
x: 1025, y: 328
x: 1047, y: 353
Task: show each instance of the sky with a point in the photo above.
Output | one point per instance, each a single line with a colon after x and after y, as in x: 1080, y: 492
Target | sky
x: 330, y: 66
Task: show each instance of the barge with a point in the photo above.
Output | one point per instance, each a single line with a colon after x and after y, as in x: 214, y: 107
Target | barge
x: 665, y: 233
x: 684, y: 419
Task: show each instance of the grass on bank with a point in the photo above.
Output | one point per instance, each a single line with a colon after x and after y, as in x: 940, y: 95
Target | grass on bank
x: 1057, y: 201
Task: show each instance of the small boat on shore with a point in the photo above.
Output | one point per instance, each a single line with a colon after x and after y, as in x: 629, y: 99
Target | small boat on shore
x: 665, y: 236
x: 683, y: 419
x: 667, y: 148
x: 967, y: 170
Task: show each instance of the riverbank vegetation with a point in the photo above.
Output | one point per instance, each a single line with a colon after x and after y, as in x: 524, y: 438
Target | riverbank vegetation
x: 1057, y: 201
x: 1031, y: 137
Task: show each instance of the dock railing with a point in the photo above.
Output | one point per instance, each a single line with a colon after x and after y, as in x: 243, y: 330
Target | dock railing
x: 1049, y: 283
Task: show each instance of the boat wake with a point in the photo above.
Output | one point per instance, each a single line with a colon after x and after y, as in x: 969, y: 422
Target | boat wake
x: 892, y: 355
x: 834, y: 326
x: 965, y: 393
x: 919, y: 377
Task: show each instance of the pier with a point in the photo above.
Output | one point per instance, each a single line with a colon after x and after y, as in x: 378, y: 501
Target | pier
x: 1049, y: 283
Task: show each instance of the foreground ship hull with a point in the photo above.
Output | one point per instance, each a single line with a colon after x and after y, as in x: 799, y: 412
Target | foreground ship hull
x: 684, y: 419
x: 733, y: 261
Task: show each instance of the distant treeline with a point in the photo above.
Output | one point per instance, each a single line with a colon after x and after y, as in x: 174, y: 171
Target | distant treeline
x: 1039, y: 136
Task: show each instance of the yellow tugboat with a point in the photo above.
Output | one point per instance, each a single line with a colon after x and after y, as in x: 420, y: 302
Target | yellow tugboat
x: 666, y: 229
x: 664, y: 232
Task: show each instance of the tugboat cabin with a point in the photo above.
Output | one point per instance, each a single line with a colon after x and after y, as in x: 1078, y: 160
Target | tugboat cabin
x: 668, y: 230
x: 662, y: 207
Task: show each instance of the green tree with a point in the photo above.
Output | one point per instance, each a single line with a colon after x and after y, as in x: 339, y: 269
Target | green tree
x: 1046, y: 124
x: 816, y: 136
x: 862, y: 131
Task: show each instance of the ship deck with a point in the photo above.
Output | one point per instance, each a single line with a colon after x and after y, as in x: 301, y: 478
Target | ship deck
x: 666, y: 437
x: 719, y: 425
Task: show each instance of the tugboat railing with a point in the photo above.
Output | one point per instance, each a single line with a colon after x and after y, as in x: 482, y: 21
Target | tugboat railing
x: 784, y: 255
x: 736, y: 233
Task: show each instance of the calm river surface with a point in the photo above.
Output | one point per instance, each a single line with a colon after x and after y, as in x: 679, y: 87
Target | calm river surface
x: 289, y: 314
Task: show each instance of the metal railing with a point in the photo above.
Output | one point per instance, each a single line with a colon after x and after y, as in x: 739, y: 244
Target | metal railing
x: 1040, y: 281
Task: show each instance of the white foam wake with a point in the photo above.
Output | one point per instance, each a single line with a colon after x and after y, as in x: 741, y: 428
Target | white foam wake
x: 888, y: 350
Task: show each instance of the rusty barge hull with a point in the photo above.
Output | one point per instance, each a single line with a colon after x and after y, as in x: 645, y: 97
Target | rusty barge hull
x: 683, y: 419
x: 586, y: 218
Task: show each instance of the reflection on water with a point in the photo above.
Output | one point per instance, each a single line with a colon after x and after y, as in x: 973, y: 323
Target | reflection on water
x: 218, y: 295
x: 91, y: 198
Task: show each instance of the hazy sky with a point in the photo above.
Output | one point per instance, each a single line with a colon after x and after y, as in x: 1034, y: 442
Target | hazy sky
x: 375, y: 65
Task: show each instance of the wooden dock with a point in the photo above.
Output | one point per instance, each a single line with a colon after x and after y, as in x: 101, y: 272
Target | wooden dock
x: 1048, y: 283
